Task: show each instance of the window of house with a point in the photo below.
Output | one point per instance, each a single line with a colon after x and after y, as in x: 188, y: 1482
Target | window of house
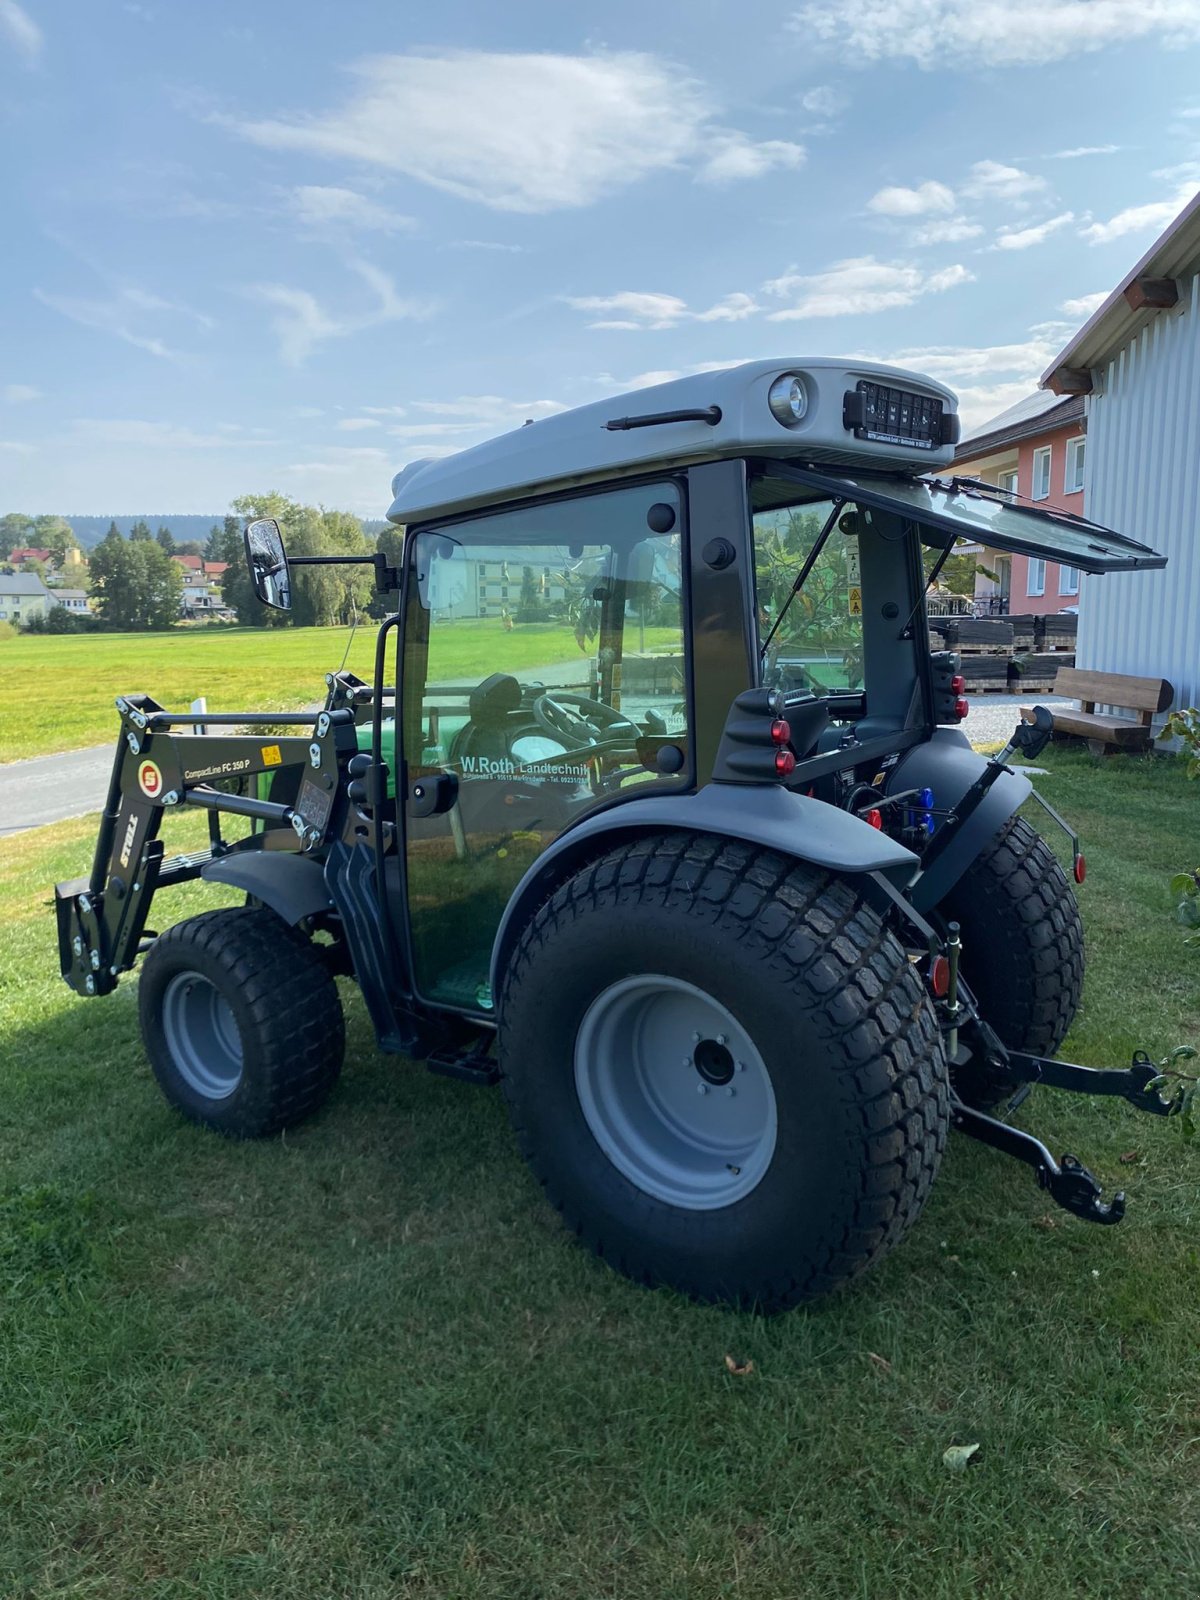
x: 1073, y: 477
x: 1007, y: 481
x: 1068, y: 580
x: 1036, y: 582
x: 1041, y: 475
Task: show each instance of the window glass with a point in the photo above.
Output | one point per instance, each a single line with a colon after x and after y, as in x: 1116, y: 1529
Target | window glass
x: 1074, y: 470
x: 1008, y: 480
x: 1041, y: 474
x: 545, y: 670
x: 1068, y: 580
x: 818, y: 644
x: 1037, y: 577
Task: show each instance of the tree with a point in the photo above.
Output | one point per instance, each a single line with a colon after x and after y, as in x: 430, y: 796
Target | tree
x: 135, y: 583
x: 320, y: 595
x: 54, y: 534
x: 140, y: 532
x: 15, y: 531
x: 113, y: 531
x: 166, y: 540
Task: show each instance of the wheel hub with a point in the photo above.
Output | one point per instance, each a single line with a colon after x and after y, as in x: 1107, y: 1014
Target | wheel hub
x: 714, y: 1062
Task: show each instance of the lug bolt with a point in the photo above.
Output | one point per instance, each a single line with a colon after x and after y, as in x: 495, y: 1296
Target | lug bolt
x: 731, y: 1091
x: 95, y: 960
x: 90, y: 985
x: 721, y: 1039
x: 701, y: 1088
x: 77, y: 945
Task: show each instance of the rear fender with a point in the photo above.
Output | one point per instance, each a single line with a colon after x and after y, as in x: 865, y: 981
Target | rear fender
x: 293, y: 886
x: 948, y: 766
x: 769, y: 815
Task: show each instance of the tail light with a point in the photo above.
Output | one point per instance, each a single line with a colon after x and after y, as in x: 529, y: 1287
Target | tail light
x: 957, y: 683
x: 961, y: 706
x: 874, y: 816
x: 1080, y: 868
x: 780, y: 731
x: 785, y: 761
x: 939, y: 976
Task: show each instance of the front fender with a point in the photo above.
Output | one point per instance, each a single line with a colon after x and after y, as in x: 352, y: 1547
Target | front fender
x: 292, y: 886
x: 763, y: 814
x: 948, y: 766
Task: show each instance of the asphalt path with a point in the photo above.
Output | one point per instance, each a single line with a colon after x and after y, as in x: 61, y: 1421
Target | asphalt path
x: 51, y: 788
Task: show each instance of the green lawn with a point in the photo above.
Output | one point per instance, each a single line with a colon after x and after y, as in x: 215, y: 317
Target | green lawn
x: 57, y: 693
x: 364, y: 1360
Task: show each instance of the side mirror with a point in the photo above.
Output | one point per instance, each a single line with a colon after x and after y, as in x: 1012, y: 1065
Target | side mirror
x: 268, y: 563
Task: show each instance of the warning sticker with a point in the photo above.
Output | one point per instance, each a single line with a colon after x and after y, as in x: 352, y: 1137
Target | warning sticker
x: 272, y: 755
x: 853, y: 570
x: 855, y: 602
x: 150, y: 779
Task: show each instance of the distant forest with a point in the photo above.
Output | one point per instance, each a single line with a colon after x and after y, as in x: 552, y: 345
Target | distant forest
x: 90, y: 530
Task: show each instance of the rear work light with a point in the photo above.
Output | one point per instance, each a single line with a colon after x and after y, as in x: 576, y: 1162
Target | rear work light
x: 781, y: 731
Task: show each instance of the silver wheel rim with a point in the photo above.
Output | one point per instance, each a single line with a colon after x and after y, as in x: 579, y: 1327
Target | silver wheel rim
x: 202, y: 1036
x: 675, y: 1092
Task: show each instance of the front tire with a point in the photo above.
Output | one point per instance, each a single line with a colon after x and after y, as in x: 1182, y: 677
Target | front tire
x: 241, y: 1021
x: 679, y: 968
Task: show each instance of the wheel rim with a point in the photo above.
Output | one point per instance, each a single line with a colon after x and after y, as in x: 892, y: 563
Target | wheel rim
x: 202, y: 1036
x: 675, y: 1092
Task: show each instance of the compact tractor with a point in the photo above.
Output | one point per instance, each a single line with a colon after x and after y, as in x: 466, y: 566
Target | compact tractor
x: 656, y: 812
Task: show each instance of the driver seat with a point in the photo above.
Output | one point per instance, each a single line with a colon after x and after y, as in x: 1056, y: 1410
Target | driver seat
x: 490, y: 707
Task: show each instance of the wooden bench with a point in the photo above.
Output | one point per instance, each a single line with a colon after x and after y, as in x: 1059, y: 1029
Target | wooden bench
x: 1104, y: 731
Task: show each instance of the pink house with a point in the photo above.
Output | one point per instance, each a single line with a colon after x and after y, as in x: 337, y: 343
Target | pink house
x: 1036, y: 450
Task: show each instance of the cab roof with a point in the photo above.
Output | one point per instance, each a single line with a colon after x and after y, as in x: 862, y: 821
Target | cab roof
x: 582, y: 446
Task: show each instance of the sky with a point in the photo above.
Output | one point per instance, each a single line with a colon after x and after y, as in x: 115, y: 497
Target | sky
x: 283, y: 244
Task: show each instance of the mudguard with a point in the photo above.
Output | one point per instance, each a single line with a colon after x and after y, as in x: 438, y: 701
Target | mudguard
x: 763, y: 814
x: 291, y: 885
x: 948, y: 766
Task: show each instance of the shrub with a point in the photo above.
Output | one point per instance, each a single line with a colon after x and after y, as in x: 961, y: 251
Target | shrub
x: 1185, y: 726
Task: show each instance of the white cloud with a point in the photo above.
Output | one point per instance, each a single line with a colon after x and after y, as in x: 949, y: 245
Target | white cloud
x: 934, y: 34
x: 1082, y: 306
x: 16, y: 447
x: 859, y: 286
x: 485, y: 244
x: 1024, y: 238
x: 953, y: 231
x: 1085, y: 150
x: 485, y: 410
x: 319, y: 207
x: 736, y: 158
x: 992, y: 180
x: 921, y: 201
x: 1151, y: 218
x: 301, y: 322
x: 16, y: 394
x: 824, y: 100
x: 130, y: 314
x: 524, y: 132
x: 342, y: 460
x: 987, y: 378
x: 631, y: 310
x: 118, y: 431
x: 357, y: 424
x: 21, y: 29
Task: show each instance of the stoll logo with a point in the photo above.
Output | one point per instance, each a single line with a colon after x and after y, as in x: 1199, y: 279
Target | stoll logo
x: 506, y: 767
x: 150, y: 779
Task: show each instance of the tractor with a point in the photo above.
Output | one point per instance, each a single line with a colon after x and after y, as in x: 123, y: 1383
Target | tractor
x: 657, y: 813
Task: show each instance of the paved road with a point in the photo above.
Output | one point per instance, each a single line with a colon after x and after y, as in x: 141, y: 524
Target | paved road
x: 49, y: 788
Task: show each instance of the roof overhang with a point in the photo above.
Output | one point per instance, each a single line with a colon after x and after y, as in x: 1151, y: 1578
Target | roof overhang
x: 1142, y: 295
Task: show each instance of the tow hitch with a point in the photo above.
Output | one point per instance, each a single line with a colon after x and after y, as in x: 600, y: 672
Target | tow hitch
x: 1068, y: 1182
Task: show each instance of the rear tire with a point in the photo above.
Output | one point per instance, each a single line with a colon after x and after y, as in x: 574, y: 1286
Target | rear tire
x: 611, y: 1035
x: 1022, y: 951
x: 241, y: 1021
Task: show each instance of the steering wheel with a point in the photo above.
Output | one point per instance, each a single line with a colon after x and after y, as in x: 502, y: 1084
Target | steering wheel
x: 578, y: 721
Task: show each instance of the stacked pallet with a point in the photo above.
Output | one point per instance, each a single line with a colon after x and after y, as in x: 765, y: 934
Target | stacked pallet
x: 1036, y: 671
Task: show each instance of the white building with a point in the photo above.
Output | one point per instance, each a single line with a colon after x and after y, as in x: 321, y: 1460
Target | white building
x: 1137, y: 360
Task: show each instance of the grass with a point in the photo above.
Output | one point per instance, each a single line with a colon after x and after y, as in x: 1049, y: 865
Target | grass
x: 363, y: 1359
x: 57, y: 693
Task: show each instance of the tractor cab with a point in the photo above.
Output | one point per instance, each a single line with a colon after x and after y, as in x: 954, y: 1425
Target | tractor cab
x: 656, y: 808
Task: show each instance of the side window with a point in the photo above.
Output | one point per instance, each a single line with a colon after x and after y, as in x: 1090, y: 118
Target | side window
x: 545, y: 672
x: 818, y: 644
x: 1041, y: 474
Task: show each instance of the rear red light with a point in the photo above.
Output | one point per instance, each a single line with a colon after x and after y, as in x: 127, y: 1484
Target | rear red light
x: 939, y: 976
x: 1080, y: 868
x: 780, y: 731
x: 961, y: 706
x: 874, y: 816
x: 785, y: 762
x: 957, y: 683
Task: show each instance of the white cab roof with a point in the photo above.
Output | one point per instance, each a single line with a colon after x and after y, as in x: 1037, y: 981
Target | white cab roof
x: 574, y: 447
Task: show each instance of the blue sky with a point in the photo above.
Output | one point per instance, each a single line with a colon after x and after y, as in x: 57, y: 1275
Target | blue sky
x: 283, y: 244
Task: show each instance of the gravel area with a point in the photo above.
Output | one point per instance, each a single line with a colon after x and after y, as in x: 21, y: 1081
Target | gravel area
x: 994, y: 716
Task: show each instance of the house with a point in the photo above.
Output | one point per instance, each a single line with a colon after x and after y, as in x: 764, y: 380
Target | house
x: 23, y: 595
x: 1036, y: 450
x: 1136, y: 365
x: 24, y: 553
x: 202, y: 598
x: 73, y: 600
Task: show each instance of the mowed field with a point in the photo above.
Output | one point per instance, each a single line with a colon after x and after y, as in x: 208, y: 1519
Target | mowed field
x: 58, y: 693
x: 365, y: 1360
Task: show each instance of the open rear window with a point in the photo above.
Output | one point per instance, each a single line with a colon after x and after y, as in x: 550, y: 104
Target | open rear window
x: 976, y: 511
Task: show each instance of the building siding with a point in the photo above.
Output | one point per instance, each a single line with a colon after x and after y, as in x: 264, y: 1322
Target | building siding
x: 1142, y: 477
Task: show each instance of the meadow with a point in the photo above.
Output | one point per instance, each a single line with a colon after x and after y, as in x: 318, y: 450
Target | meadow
x: 57, y: 693
x: 364, y: 1359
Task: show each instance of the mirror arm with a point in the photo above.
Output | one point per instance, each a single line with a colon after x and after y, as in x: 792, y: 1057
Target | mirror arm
x: 387, y: 578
